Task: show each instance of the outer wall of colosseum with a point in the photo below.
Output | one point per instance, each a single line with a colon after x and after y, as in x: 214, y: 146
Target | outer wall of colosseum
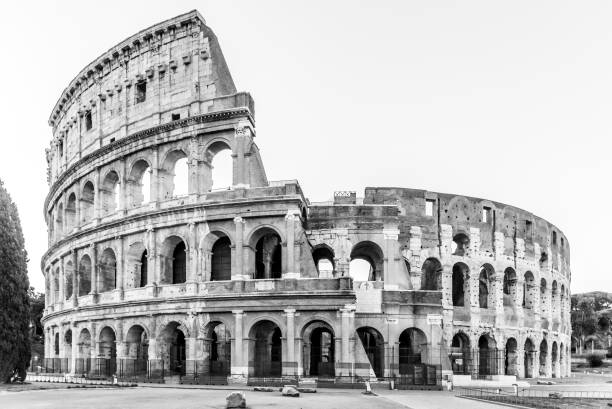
x: 152, y: 272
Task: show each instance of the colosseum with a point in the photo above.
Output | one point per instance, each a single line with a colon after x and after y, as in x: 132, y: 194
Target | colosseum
x: 153, y: 273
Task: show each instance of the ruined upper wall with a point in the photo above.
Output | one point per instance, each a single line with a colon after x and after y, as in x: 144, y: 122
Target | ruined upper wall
x: 401, y: 208
x: 171, y: 70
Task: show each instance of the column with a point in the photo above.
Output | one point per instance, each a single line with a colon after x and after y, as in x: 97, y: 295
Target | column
x: 190, y: 357
x: 122, y: 185
x: 52, y: 288
x: 239, y: 367
x: 347, y: 315
x: 290, y: 364
x: 290, y: 265
x: 75, y: 278
x: 97, y: 201
x: 155, y: 178
x: 393, y: 280
x: 238, y: 272
x: 243, y: 131
x: 62, y: 282
x: 75, y: 348
x: 192, y: 259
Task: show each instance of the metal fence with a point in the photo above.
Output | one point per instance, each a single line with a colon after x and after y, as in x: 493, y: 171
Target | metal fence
x: 479, y: 363
x: 541, y: 399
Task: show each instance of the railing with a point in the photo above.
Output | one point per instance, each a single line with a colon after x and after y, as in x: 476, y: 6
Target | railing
x: 545, y: 399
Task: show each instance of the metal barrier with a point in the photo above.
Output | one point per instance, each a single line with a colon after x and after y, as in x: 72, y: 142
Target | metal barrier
x: 541, y: 399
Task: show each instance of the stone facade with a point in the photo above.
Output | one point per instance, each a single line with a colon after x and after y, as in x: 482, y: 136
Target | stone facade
x: 255, y: 280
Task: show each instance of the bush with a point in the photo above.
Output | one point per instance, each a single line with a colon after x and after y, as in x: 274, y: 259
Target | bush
x: 595, y: 360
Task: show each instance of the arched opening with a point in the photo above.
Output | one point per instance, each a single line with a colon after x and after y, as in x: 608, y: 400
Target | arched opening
x: 174, y: 261
x: 84, y: 275
x: 221, y: 260
x: 529, y: 291
x: 488, y: 357
x: 56, y: 344
x: 110, y: 192
x: 319, y: 350
x: 543, y: 260
x: 266, y: 350
x: 219, y: 155
x: 174, y: 175
x: 460, y: 356
x: 56, y: 286
x: 107, y: 271
x: 323, y: 257
x: 106, y: 364
x: 460, y: 284
x: 562, y: 368
x: 555, y: 359
x: 268, y: 254
x: 173, y: 350
x: 137, y: 343
x: 529, y: 358
x: 431, y: 275
x: 59, y: 220
x: 511, y: 358
x: 460, y: 244
x: 373, y: 345
x: 366, y: 262
x: 71, y: 221
x: 509, y: 286
x: 562, y: 299
x: 68, y: 280
x: 412, y: 346
x: 84, y: 352
x: 543, y: 297
x: 139, y: 184
x: 87, y: 202
x: 137, y: 268
x: 486, y: 285
x: 555, y: 299
x: 219, y: 349
x: 543, y: 357
x: 67, y: 365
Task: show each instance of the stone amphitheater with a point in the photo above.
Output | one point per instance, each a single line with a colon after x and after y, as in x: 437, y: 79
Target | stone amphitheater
x: 151, y: 273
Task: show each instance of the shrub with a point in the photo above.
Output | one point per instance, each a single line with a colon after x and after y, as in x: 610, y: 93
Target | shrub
x: 595, y: 360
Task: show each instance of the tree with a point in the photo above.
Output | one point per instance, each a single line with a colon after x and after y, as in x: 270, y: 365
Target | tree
x: 14, y: 302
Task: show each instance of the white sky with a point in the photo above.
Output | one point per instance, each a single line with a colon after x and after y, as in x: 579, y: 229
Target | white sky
x: 509, y: 100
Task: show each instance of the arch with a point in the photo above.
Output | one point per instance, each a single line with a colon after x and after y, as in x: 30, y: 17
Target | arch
x: 59, y: 220
x: 84, y: 350
x: 221, y: 260
x: 486, y: 286
x: 139, y: 183
x: 367, y: 260
x: 71, y: 221
x: 412, y: 347
x: 488, y: 357
x: 87, y: 202
x: 174, y: 175
x: 265, y: 349
x: 510, y: 281
x: 511, y: 357
x: 543, y: 297
x: 172, y: 347
x: 218, y: 348
x: 174, y: 260
x: 68, y: 280
x: 431, y: 275
x: 138, y: 260
x: 461, y: 284
x: 318, y: 349
x: 219, y: 155
x: 543, y: 357
x: 460, y: 354
x: 460, y: 244
x: 137, y: 343
x: 84, y: 275
x: 529, y: 352
x: 554, y: 297
x: 107, y: 351
x: 110, y: 192
x: 68, y: 347
x: 56, y: 344
x: 554, y: 359
x: 323, y: 257
x: 373, y: 345
x: 562, y: 359
x: 529, y: 291
x: 107, y: 265
x: 268, y: 253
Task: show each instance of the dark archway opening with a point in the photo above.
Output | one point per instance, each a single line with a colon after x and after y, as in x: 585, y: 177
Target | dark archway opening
x: 322, y: 353
x: 221, y: 261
